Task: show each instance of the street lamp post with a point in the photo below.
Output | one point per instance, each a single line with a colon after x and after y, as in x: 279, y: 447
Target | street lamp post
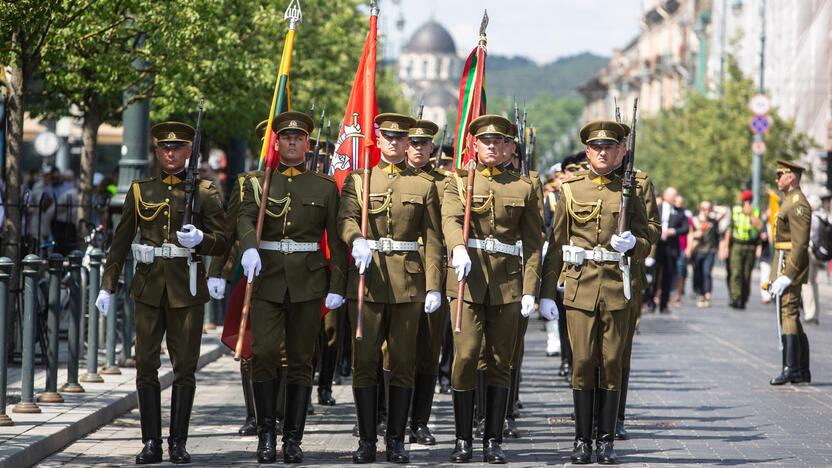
x: 757, y: 162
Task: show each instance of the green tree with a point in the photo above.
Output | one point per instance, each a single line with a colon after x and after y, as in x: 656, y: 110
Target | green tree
x: 704, y: 147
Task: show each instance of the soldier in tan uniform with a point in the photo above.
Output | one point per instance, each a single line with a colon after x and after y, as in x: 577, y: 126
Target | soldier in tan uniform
x: 288, y: 292
x: 400, y: 285
x: 791, y: 245
x: 500, y: 286
x: 586, y: 255
x: 431, y: 326
x: 168, y: 292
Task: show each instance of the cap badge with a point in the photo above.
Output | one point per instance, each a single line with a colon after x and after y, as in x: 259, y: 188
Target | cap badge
x: 602, y: 134
x: 293, y: 123
x: 419, y: 131
x: 394, y: 126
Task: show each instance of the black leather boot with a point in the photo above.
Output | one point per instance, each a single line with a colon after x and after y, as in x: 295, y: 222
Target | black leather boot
x: 249, y: 428
x: 606, y: 426
x: 280, y: 400
x: 805, y: 373
x: 420, y: 410
x: 512, y: 412
x: 182, y: 400
x: 791, y: 369
x: 463, y: 425
x: 297, y: 399
x: 366, y: 406
x: 264, y: 401
x: 495, y: 414
x: 398, y: 404
x: 150, y: 413
x: 481, y: 394
x: 620, y: 431
x: 583, y: 404
x: 328, y: 356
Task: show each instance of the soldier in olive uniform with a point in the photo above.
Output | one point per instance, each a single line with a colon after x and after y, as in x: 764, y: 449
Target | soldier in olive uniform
x: 431, y: 326
x: 500, y: 286
x: 286, y: 302
x: 587, y: 256
x: 169, y: 290
x: 400, y: 285
x: 791, y: 245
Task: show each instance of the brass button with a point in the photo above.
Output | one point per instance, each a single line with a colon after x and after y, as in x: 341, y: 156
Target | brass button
x: 289, y: 223
x: 290, y: 179
x: 167, y: 199
x: 390, y: 176
x: 389, y: 190
x: 170, y: 187
x: 289, y: 209
x: 166, y: 213
x: 600, y: 187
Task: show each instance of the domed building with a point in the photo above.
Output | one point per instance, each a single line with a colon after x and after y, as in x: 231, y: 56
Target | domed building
x: 428, y: 70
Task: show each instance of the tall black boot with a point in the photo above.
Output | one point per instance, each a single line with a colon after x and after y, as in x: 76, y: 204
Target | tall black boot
x: 249, y: 428
x: 398, y: 404
x: 150, y: 413
x: 463, y: 425
x: 366, y: 406
x: 606, y: 426
x: 328, y: 356
x: 280, y: 400
x: 481, y: 392
x: 495, y: 414
x: 297, y: 399
x: 791, y: 370
x: 420, y: 411
x: 583, y: 405
x: 264, y: 402
x: 620, y: 431
x: 182, y: 400
x: 805, y: 373
x: 510, y: 430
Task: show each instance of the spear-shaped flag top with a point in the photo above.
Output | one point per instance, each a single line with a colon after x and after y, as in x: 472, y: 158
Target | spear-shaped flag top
x: 471, y: 97
x: 358, y: 129
x: 280, y: 97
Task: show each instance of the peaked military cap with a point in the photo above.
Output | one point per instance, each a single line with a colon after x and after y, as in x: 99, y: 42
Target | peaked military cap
x: 165, y: 132
x: 394, y: 123
x: 626, y: 129
x: 293, y: 122
x: 423, y: 130
x: 260, y: 129
x: 602, y: 132
x: 447, y: 153
x: 490, y: 126
x: 789, y: 166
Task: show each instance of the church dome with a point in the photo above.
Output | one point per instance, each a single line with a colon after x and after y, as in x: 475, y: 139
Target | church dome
x: 431, y: 38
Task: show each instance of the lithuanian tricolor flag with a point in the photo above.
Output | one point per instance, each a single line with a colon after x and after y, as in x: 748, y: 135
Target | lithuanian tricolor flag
x: 471, y: 101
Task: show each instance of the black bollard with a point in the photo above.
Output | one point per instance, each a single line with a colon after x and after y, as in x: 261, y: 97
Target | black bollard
x: 56, y: 272
x: 74, y: 330
x: 6, y: 266
x: 31, y: 269
x: 92, y: 320
x: 127, y: 327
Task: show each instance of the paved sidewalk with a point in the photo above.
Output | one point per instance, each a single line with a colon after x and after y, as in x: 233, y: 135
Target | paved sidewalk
x: 700, y: 395
x: 35, y: 436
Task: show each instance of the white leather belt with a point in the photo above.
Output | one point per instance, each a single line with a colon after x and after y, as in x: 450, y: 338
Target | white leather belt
x: 492, y: 245
x: 288, y: 246
x: 577, y: 255
x: 387, y: 245
x: 147, y: 253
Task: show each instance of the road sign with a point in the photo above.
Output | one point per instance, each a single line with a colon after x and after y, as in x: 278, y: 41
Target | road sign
x: 759, y: 104
x: 759, y: 124
x: 758, y: 147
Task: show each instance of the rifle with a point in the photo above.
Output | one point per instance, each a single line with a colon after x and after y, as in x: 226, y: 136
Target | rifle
x: 190, y: 191
x: 627, y: 186
x: 314, y: 165
x: 617, y: 110
x: 438, y: 154
x: 328, y: 157
x: 529, y: 151
x: 421, y: 109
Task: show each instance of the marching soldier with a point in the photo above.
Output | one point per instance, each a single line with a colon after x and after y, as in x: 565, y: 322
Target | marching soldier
x: 400, y: 286
x: 501, y: 287
x: 791, y: 245
x: 221, y: 271
x: 292, y: 279
x: 168, y: 300
x: 431, y: 327
x: 586, y: 256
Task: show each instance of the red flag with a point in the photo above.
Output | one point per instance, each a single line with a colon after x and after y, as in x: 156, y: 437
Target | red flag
x: 362, y: 109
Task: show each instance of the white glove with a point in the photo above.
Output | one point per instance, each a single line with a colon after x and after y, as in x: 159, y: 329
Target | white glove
x: 461, y: 262
x: 102, y: 302
x: 251, y: 264
x: 526, y: 305
x: 778, y: 287
x: 362, y: 254
x: 333, y: 301
x: 548, y: 309
x: 189, y: 236
x: 624, y: 242
x: 432, y: 301
x: 649, y: 262
x: 216, y: 288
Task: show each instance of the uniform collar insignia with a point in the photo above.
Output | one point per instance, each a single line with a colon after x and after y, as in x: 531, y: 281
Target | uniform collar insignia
x: 599, y: 179
x: 171, y: 179
x: 490, y: 171
x: 390, y: 168
x: 292, y: 171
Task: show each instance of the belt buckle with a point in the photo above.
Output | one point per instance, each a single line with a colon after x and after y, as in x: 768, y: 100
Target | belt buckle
x: 490, y: 245
x: 598, y: 253
x: 285, y: 246
x: 385, y: 245
x: 167, y: 251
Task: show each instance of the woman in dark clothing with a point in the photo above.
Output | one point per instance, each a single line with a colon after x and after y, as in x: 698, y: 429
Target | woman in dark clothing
x: 703, y: 247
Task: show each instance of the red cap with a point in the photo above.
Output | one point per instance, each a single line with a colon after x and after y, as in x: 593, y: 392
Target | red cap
x: 746, y: 195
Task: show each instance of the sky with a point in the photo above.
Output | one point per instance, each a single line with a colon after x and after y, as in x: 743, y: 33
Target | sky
x: 542, y: 30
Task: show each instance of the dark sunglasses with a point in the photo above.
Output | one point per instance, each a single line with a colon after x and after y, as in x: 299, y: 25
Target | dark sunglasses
x: 778, y: 174
x: 172, y: 145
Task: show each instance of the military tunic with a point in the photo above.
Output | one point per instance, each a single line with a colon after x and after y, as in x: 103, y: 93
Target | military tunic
x: 288, y: 293
x: 598, y: 314
x: 791, y: 239
x: 164, y: 304
x: 404, y: 206
x: 505, y: 207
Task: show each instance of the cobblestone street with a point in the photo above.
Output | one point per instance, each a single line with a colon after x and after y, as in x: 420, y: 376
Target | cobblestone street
x: 699, y: 395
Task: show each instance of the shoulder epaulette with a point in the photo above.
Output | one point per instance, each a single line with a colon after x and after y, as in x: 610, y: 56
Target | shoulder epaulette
x: 146, y: 179
x: 576, y: 177
x: 442, y: 172
x: 325, y: 176
x: 206, y: 184
x: 425, y: 176
x: 520, y: 176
